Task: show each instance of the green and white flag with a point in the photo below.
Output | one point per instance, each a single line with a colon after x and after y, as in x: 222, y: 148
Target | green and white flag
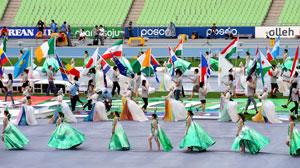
x: 179, y: 49
x: 3, y: 45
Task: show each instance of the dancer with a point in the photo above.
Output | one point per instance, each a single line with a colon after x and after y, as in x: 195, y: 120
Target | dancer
x: 195, y: 81
x: 295, y: 99
x: 118, y: 140
x: 195, y: 138
x: 241, y: 82
x: 165, y: 82
x: 26, y: 114
x: 65, y: 136
x: 9, y: 86
x: 291, y: 81
x: 248, y: 138
x: 230, y: 85
x: 63, y: 107
x: 267, y: 109
x: 251, y: 87
x: 114, y: 79
x: 98, y: 112
x: 12, y: 137
x: 202, y: 94
x: 274, y: 85
x: 229, y: 108
x: 174, y: 110
x: 293, y: 139
x: 90, y: 89
x: 130, y: 110
x: 159, y: 136
x: 27, y: 91
x: 145, y: 89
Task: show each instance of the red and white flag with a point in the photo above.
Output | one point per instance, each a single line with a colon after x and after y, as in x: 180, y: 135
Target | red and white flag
x: 270, y: 58
x: 114, y: 50
x: 295, y: 63
x: 93, y: 60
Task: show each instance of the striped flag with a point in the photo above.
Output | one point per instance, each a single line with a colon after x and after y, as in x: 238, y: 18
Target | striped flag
x: 172, y: 60
x: 204, y: 68
x: 105, y: 66
x: 230, y: 49
x: 3, y: 45
x: 179, y: 49
x: 295, y: 63
x: 62, y: 69
x: 66, y: 69
x: 45, y: 49
x: 3, y: 57
x: 114, y: 50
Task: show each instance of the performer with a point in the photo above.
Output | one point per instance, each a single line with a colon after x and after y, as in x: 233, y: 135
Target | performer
x: 107, y: 99
x: 27, y: 91
x: 248, y: 138
x: 268, y: 109
x: 230, y: 85
x: 50, y: 61
x: 293, y: 139
x: 90, y: 89
x: 179, y: 86
x: 26, y: 114
x: 241, y: 82
x: 63, y: 107
x: 229, y: 108
x: 195, y: 81
x: 86, y: 58
x: 74, y: 95
x: 291, y: 81
x: 165, y: 82
x: 202, y: 94
x: 9, y: 86
x: 251, y: 87
x: 114, y: 79
x: 130, y: 110
x: 138, y: 82
x: 98, y: 111
x: 118, y: 140
x: 12, y: 137
x: 295, y: 99
x: 145, y: 90
x: 51, y: 85
x: 195, y: 138
x: 65, y: 136
x: 174, y: 110
x: 274, y: 85
x: 159, y: 136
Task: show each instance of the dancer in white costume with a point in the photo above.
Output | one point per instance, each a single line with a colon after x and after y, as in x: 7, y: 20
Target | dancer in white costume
x: 98, y: 111
x: 165, y: 82
x: 241, y: 83
x: 26, y: 115
x: 268, y: 108
x: 174, y: 110
x: 229, y: 108
x: 130, y: 110
x: 64, y: 107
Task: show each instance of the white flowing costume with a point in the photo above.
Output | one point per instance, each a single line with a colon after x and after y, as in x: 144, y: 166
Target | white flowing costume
x: 269, y: 109
x: 230, y: 107
x: 178, y: 110
x: 66, y: 109
x: 136, y: 112
x: 99, y: 108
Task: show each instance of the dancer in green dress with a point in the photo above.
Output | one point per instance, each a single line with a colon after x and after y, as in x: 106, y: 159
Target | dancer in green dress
x: 293, y: 139
x: 12, y: 137
x: 195, y: 138
x: 119, y: 140
x: 248, y: 138
x: 65, y: 136
x: 159, y: 136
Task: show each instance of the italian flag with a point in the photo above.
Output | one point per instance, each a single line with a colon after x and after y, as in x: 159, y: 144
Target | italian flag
x: 45, y: 49
x: 115, y: 49
x: 230, y: 49
x: 142, y: 62
x: 179, y: 49
x: 3, y: 45
x: 295, y: 63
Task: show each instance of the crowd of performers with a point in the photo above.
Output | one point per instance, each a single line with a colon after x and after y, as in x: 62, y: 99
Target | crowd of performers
x: 195, y: 138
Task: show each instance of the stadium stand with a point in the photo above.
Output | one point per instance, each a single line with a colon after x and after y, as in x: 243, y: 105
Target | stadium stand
x: 3, y: 5
x: 290, y: 13
x: 75, y: 12
x: 204, y: 12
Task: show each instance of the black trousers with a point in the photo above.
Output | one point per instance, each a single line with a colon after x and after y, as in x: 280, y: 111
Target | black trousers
x: 295, y: 108
x: 107, y: 105
x: 145, y: 103
x: 74, y: 101
x: 88, y: 104
x: 182, y: 90
x: 115, y: 86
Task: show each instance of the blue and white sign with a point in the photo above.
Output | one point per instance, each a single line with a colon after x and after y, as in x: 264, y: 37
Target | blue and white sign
x: 24, y: 32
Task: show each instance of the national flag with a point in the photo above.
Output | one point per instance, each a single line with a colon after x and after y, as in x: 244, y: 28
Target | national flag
x: 275, y: 51
x: 295, y: 63
x: 253, y: 65
x: 224, y: 67
x: 105, y: 66
x: 93, y: 60
x: 3, y: 45
x: 179, y: 49
x: 230, y: 49
x: 142, y: 62
x: 22, y: 64
x: 265, y: 66
x: 172, y: 60
x: 62, y: 69
x: 208, y: 62
x: 45, y: 49
x: 154, y: 64
x: 270, y: 58
x: 120, y: 66
x: 1, y: 72
x: 204, y: 67
x: 116, y: 50
x: 126, y: 63
x: 3, y: 57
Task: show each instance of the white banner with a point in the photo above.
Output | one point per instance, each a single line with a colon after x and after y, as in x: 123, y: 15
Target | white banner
x: 273, y: 32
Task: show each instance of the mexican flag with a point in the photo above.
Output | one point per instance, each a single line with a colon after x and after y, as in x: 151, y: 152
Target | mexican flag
x: 3, y: 45
x: 45, y: 49
x: 116, y: 50
x: 230, y: 49
x: 179, y: 49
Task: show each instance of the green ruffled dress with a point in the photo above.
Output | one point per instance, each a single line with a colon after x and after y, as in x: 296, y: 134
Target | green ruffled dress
x: 196, y: 137
x: 164, y: 140
x: 253, y: 140
x: 294, y: 142
x: 65, y: 137
x: 13, y: 138
x: 50, y: 61
x: 119, y: 140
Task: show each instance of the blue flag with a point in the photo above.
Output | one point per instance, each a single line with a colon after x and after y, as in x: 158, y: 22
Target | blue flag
x: 22, y: 64
x: 120, y: 66
x: 63, y: 70
x: 275, y: 51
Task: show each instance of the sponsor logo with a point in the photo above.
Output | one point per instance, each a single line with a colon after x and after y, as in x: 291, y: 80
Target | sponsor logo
x: 21, y: 32
x: 153, y: 32
x: 282, y: 31
x: 221, y: 32
x: 114, y: 33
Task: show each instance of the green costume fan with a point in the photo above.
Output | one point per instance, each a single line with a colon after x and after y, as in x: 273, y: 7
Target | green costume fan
x: 180, y: 64
x: 119, y: 140
x: 50, y: 61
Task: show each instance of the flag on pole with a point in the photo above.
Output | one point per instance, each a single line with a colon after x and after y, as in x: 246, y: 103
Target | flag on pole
x: 45, y: 49
x: 3, y: 57
x: 142, y: 62
x: 1, y: 72
x: 204, y: 68
x: 114, y: 50
x: 93, y: 60
x: 22, y: 64
x: 172, y: 60
x: 230, y: 49
x: 224, y: 67
x: 265, y: 66
x: 3, y: 45
x: 275, y: 51
x: 179, y: 49
x: 120, y: 66
x: 62, y: 69
x: 270, y: 57
x: 66, y: 68
x: 105, y: 66
x: 208, y: 62
x: 154, y: 64
x: 253, y: 65
x: 295, y: 63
